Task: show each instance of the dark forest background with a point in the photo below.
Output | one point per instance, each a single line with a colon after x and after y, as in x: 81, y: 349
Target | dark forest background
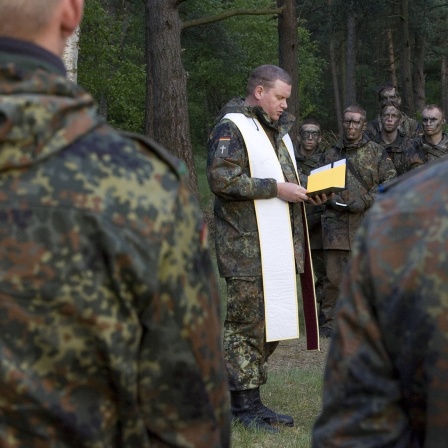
x: 166, y: 67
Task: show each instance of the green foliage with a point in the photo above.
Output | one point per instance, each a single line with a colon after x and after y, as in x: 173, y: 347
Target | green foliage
x: 219, y: 58
x: 311, y: 68
x: 111, y: 63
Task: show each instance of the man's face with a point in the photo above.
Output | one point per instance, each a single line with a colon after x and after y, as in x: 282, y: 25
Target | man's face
x: 353, y: 124
x: 273, y: 100
x: 390, y: 95
x: 390, y: 119
x: 433, y: 122
x: 310, y: 137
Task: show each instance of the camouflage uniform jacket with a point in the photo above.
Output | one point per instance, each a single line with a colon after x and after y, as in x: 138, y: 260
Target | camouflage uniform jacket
x: 387, y: 367
x: 110, y: 330
x: 420, y: 151
x: 305, y: 165
x: 236, y: 235
x: 374, y: 167
x: 397, y: 152
x: 408, y: 127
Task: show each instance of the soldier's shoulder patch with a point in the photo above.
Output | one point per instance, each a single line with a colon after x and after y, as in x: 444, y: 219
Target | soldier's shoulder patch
x: 223, y: 147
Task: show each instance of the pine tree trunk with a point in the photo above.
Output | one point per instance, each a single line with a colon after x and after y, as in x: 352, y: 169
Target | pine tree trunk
x: 406, y: 94
x: 288, y: 55
x: 351, y: 57
x: 444, y: 81
x: 337, y: 98
x: 391, y: 52
x: 149, y: 103
x: 419, y: 74
x: 334, y: 69
x: 170, y: 107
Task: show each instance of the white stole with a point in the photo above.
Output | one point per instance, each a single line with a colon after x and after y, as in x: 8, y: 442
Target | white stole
x: 275, y: 233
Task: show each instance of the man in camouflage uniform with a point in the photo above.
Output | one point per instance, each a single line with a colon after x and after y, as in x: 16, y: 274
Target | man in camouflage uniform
x: 309, y: 152
x: 110, y: 330
x: 433, y: 144
x: 391, y: 140
x: 368, y: 166
x: 408, y: 127
x: 237, y: 236
x: 387, y: 367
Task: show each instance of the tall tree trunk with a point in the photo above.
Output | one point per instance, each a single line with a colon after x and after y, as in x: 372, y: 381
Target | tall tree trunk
x: 444, y: 81
x: 343, y: 75
x: 337, y: 97
x: 351, y: 56
x: 406, y: 94
x: 334, y: 69
x: 170, y: 106
x: 288, y: 55
x: 70, y: 56
x: 391, y: 52
x: 149, y: 101
x: 419, y: 73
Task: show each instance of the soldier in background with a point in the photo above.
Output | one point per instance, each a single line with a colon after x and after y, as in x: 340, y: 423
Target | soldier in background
x: 433, y: 144
x: 391, y: 140
x: 368, y: 166
x: 309, y: 152
x: 408, y: 127
x: 109, y: 312
x: 387, y: 366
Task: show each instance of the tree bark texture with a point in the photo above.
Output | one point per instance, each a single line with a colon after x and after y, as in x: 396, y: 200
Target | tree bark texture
x: 169, y: 83
x: 406, y: 70
x: 350, y: 89
x: 337, y: 97
x: 419, y: 73
x: 391, y: 53
x: 334, y: 69
x: 288, y: 55
x: 149, y: 101
x: 444, y: 81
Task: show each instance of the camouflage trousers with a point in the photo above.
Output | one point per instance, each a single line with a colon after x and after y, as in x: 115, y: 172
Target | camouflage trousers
x: 335, y: 262
x: 245, y: 348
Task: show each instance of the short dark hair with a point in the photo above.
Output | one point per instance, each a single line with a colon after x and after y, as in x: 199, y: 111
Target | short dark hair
x: 309, y: 121
x: 265, y: 76
x: 355, y: 109
x: 386, y: 86
x: 434, y: 106
x: 389, y: 104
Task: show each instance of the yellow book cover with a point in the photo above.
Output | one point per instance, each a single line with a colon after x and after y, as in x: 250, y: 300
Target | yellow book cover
x: 327, y: 179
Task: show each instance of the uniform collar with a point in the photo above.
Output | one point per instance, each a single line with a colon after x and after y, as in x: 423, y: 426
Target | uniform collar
x: 29, y: 56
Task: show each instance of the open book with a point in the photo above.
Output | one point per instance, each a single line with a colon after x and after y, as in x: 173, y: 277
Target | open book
x: 327, y: 179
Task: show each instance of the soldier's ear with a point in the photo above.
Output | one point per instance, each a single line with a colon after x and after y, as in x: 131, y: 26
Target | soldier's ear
x: 258, y: 92
x: 71, y: 15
